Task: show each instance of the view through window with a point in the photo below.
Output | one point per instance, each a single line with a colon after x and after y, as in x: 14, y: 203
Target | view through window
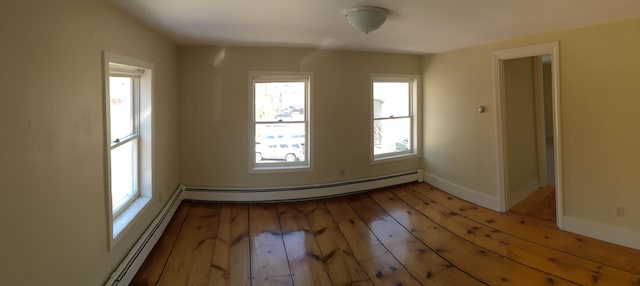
x: 280, y: 118
x: 393, y: 117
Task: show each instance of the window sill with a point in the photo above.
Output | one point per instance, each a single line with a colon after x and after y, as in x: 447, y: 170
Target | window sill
x: 280, y: 169
x: 125, y: 219
x: 393, y: 157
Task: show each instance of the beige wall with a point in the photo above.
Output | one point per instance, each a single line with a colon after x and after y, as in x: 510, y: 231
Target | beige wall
x: 520, y: 125
x: 459, y: 142
x: 53, y: 213
x: 214, y: 113
x: 599, y: 68
x: 548, y: 100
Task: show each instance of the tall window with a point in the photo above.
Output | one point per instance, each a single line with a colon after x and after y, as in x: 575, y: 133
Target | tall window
x: 128, y: 106
x: 280, y: 137
x: 124, y: 115
x: 394, y: 110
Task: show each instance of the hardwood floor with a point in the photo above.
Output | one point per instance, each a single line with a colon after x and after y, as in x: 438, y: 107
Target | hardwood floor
x: 411, y: 234
x: 540, y: 205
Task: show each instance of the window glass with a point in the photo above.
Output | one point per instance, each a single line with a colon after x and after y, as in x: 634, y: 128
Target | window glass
x: 280, y: 142
x: 121, y: 106
x: 279, y: 101
x: 123, y: 174
x: 392, y: 135
x: 392, y: 99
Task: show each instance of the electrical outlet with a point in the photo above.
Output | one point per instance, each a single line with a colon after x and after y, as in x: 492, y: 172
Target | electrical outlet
x: 620, y: 211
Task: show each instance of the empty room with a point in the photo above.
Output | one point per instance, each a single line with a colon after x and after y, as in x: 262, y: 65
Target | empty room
x: 288, y: 142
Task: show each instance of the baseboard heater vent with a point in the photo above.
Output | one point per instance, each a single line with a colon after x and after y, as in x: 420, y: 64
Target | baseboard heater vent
x: 299, y: 192
x: 137, y: 255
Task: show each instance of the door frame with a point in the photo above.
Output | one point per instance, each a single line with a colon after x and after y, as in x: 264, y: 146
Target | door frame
x: 499, y: 57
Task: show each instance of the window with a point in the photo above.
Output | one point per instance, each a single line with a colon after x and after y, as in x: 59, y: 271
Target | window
x: 123, y: 118
x: 128, y: 139
x: 394, y: 110
x: 280, y: 118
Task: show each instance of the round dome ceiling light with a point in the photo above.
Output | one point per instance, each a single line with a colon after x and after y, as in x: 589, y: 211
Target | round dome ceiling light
x: 366, y: 18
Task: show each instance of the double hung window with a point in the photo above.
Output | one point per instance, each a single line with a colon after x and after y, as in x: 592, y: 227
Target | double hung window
x: 124, y: 118
x: 128, y: 95
x: 280, y: 119
x: 394, y: 109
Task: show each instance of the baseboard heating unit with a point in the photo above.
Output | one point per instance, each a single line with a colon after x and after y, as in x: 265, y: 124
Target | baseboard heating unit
x: 299, y: 192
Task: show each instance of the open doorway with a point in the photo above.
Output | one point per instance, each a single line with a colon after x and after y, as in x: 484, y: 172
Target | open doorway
x: 528, y: 136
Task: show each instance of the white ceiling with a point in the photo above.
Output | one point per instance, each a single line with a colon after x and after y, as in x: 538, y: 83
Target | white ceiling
x: 414, y: 26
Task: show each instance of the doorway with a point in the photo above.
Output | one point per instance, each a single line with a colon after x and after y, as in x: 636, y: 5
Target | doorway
x: 528, y: 120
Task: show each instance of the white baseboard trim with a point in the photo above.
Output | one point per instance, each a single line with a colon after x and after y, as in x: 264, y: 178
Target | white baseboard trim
x: 523, y: 192
x: 298, y: 192
x: 613, y: 234
x: 139, y: 252
x: 464, y: 193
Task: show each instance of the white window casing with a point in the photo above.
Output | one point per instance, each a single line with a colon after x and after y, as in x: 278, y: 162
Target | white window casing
x: 136, y: 143
x: 279, y: 111
x: 394, y: 117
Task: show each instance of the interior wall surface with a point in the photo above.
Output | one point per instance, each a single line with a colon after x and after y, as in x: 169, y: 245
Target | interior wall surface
x: 53, y: 209
x: 599, y: 67
x: 215, y: 114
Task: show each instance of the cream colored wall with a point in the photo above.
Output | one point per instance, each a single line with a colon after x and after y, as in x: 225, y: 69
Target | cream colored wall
x: 548, y: 100
x: 214, y: 113
x: 459, y: 142
x: 53, y: 212
x: 520, y: 126
x: 599, y: 68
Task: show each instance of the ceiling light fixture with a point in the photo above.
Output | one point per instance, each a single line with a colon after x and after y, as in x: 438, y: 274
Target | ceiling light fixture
x: 366, y: 18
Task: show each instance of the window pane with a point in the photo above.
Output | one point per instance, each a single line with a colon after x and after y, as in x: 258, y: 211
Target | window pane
x: 390, y: 99
x: 391, y: 135
x: 121, y: 106
x: 282, y: 142
x: 123, y: 174
x: 279, y: 101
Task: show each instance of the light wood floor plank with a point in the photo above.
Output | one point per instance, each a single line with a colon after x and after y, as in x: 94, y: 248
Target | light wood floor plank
x: 269, y: 262
x: 153, y: 266
x: 475, y: 260
x: 189, y: 261
x: 424, y: 264
x: 546, y: 208
x: 566, y: 266
x: 336, y: 253
x: 363, y: 243
x: 539, y: 206
x: 380, y: 265
x: 303, y: 253
x: 230, y: 264
x: 529, y: 203
x: 599, y: 251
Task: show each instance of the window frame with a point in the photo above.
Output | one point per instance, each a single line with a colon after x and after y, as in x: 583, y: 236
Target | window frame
x: 413, y: 116
x: 122, y: 218
x: 265, y: 77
